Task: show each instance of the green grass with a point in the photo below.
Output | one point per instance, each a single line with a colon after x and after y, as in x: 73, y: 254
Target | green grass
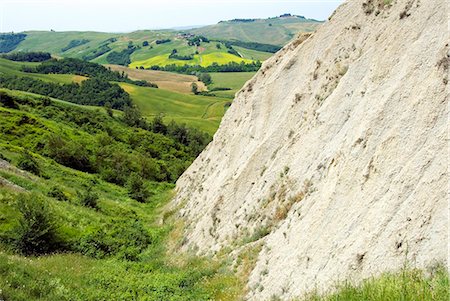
x: 202, y: 112
x: 253, y: 54
x: 406, y: 285
x: 233, y: 80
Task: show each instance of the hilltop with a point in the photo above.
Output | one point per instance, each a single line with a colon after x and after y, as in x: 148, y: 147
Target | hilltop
x: 276, y: 31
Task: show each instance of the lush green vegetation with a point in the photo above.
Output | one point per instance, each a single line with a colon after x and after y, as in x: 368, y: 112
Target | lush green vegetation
x: 163, y: 151
x: 76, y: 236
x: 162, y: 41
x: 407, y: 285
x: 127, y: 49
x: 92, y: 91
x: 27, y: 56
x: 227, y: 84
x: 9, y: 41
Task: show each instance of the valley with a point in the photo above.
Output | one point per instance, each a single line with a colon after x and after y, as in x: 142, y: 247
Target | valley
x: 280, y: 158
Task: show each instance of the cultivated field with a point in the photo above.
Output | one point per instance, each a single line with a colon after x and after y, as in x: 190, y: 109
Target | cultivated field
x: 180, y: 83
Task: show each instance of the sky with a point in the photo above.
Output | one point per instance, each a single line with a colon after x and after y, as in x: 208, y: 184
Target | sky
x: 129, y: 15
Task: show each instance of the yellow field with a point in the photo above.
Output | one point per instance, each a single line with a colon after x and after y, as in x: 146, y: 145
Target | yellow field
x: 202, y: 60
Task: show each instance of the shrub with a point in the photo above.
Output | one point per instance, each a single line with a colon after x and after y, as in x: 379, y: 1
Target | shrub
x: 125, y: 240
x: 56, y: 193
x: 68, y: 153
x: 7, y: 101
x: 28, y: 163
x: 37, y: 230
x: 136, y: 188
x: 194, y: 88
x: 88, y: 198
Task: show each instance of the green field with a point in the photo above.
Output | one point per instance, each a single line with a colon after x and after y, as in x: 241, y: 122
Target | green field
x: 202, y: 112
x: 233, y: 80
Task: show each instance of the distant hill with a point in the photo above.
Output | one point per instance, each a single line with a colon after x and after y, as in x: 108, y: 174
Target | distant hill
x: 238, y: 40
x: 140, y: 48
x: 276, y: 31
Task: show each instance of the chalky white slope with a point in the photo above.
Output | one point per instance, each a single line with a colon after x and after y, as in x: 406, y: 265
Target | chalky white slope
x: 338, y: 148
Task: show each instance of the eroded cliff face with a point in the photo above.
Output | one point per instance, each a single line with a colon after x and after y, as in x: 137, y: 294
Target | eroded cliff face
x: 334, y: 156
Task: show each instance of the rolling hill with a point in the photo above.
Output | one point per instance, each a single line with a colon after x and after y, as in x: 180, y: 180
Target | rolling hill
x: 240, y: 40
x: 275, y: 31
x: 141, y: 48
x: 201, y: 112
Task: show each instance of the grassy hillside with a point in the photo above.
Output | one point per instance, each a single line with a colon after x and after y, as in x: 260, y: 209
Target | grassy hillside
x: 72, y: 235
x: 232, y: 80
x: 276, y: 31
x: 203, y: 60
x: 202, y: 112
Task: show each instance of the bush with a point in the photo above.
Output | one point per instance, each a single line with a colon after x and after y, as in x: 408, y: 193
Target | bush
x: 37, y: 230
x: 28, y: 163
x: 56, y: 193
x: 28, y: 56
x: 7, y: 101
x: 88, y: 198
x: 136, y: 188
x: 70, y: 154
x: 194, y: 88
x: 123, y: 239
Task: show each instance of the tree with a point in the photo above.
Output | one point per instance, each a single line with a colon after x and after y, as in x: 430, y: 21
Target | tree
x: 194, y: 88
x: 205, y: 78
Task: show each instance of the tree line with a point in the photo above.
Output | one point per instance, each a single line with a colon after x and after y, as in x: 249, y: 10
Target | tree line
x: 93, y: 91
x: 27, y: 56
x: 83, y: 68
x: 214, y: 67
x: 9, y: 41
